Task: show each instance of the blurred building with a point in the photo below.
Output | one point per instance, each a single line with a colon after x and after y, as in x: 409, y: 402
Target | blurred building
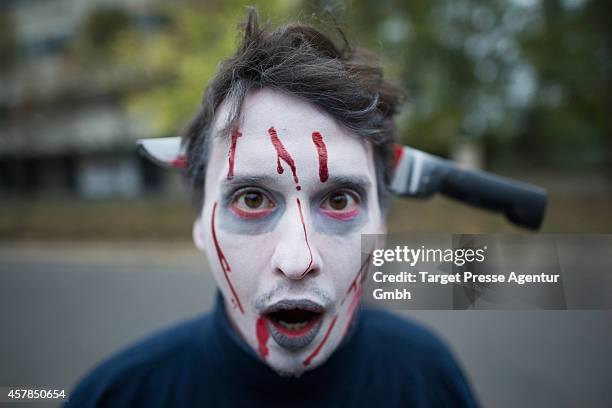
x: 63, y: 129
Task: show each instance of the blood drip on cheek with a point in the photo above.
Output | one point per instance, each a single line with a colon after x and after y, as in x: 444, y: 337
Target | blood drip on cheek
x: 222, y: 260
x: 261, y: 330
x: 355, y: 283
x: 351, y: 310
x: 282, y: 153
x: 232, y: 153
x: 320, y: 346
x: 354, y: 287
x: 317, y: 139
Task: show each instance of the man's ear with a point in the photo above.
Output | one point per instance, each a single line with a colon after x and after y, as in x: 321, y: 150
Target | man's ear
x: 198, y: 234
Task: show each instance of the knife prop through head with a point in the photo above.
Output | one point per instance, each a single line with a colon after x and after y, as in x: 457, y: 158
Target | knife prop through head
x: 419, y: 175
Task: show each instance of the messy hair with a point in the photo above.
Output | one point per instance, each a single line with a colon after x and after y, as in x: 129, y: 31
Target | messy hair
x: 305, y: 62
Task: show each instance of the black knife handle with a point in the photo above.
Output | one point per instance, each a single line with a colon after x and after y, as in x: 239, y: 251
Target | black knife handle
x: 523, y: 204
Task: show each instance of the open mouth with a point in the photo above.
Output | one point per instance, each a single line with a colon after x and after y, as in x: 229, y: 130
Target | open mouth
x: 293, y: 324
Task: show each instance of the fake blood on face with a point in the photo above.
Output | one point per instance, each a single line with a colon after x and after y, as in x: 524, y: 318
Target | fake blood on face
x: 355, y: 287
x: 282, y: 153
x: 222, y: 260
x: 320, y: 346
x: 351, y: 310
x: 317, y: 139
x: 232, y: 153
x: 299, y: 204
x: 355, y: 283
x: 262, y: 337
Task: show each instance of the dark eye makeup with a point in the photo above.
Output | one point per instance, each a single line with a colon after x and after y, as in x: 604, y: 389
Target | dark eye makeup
x: 252, y: 203
x: 342, y: 204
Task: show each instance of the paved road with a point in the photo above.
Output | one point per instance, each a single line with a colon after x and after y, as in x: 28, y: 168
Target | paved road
x: 63, y: 307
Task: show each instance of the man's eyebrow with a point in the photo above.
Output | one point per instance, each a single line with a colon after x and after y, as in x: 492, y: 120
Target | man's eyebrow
x: 351, y: 180
x: 249, y: 179
x: 356, y: 180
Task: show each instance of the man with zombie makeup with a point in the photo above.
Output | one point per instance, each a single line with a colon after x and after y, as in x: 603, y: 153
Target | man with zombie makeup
x: 290, y: 156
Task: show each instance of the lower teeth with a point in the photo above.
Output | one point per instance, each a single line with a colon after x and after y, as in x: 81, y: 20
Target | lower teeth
x: 292, y: 326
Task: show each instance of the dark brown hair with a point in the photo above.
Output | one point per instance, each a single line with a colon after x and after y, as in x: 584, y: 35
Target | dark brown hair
x: 305, y: 62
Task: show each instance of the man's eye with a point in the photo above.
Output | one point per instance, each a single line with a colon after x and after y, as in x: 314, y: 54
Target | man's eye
x: 339, y: 201
x: 253, y: 200
x: 251, y: 204
x: 341, y: 205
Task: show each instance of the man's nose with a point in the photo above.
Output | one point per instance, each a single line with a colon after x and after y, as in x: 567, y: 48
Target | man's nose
x: 294, y: 256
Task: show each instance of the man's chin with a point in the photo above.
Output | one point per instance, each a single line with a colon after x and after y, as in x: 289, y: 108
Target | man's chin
x: 294, y: 363
x: 288, y: 363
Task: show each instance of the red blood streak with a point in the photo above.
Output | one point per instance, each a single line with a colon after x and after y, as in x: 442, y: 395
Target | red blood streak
x: 232, y: 153
x: 351, y: 309
x: 305, y: 235
x: 282, y: 153
x: 317, y: 139
x: 180, y: 162
x: 355, y: 286
x: 320, y: 346
x: 262, y: 337
x: 355, y: 282
x: 222, y: 260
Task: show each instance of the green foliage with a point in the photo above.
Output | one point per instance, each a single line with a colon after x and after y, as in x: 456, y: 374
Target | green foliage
x: 8, y: 43
x: 531, y: 80
x: 102, y: 27
x: 185, y: 55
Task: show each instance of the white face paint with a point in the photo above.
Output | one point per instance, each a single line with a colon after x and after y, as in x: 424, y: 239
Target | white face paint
x: 281, y: 226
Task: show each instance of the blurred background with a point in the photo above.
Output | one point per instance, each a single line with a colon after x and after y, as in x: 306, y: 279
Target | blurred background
x: 95, y: 242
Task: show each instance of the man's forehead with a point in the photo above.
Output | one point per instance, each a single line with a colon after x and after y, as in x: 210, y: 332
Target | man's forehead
x: 293, y: 121
x: 266, y: 104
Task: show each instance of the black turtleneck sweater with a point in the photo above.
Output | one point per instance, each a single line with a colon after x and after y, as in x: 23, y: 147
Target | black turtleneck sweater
x: 385, y: 361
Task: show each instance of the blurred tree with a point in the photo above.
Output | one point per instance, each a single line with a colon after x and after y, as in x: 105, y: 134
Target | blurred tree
x: 529, y: 79
x: 102, y: 27
x: 569, y: 121
x: 186, y: 52
x: 8, y: 42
